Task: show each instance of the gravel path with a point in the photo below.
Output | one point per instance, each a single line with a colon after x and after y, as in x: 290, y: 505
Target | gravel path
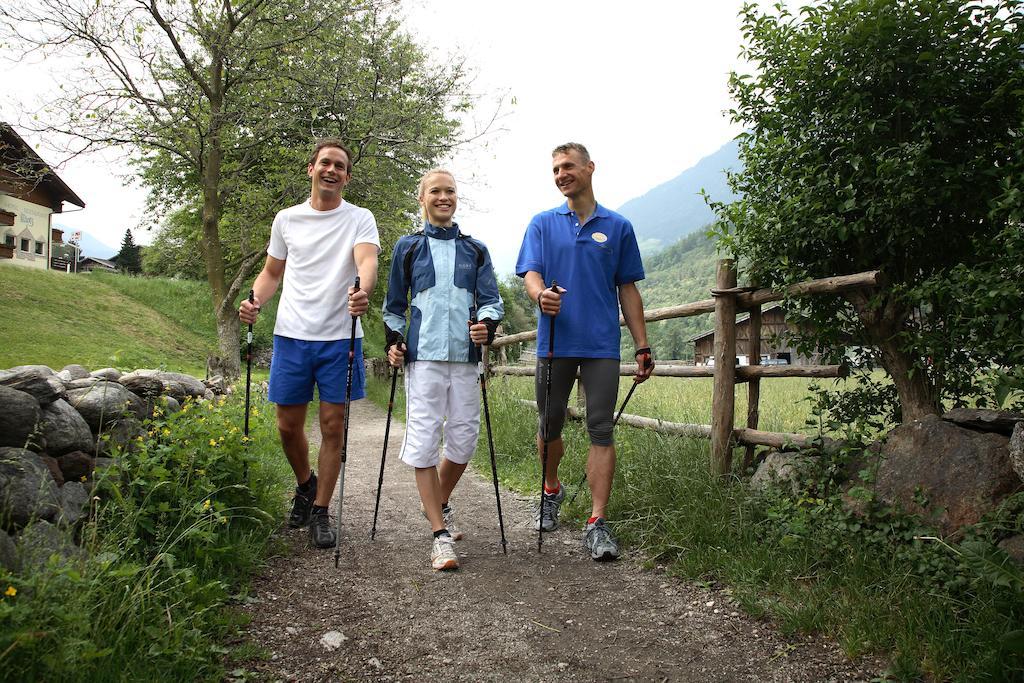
x: 527, y: 616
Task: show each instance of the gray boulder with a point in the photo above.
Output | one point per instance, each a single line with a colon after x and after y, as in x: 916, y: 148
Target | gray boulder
x: 122, y: 435
x: 27, y: 490
x: 75, y: 465
x: 191, y: 385
x: 9, y: 554
x: 217, y: 384
x: 74, y: 371
x: 145, y: 386
x: 35, y: 380
x: 950, y: 475
x: 105, y: 403
x: 19, y: 414
x: 63, y: 429
x: 1017, y: 450
x: 74, y: 502
x: 42, y: 540
x: 1014, y: 547
x: 781, y: 470
x: 999, y: 421
x: 169, y: 404
x: 86, y: 383
x: 109, y: 374
x: 45, y: 369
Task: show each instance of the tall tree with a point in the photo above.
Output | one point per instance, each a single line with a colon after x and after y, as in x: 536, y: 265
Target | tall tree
x: 129, y: 258
x: 220, y: 101
x: 880, y: 134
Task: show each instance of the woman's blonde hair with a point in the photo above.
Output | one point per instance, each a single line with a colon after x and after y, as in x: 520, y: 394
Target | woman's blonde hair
x: 422, y: 187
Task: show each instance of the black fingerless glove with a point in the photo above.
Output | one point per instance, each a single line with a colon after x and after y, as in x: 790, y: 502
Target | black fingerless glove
x: 492, y: 326
x: 392, y: 338
x: 648, y: 357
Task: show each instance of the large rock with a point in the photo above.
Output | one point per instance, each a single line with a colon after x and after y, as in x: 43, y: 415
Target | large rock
x: 85, y: 383
x: 19, y: 414
x: 1017, y: 450
x: 1014, y: 547
x: 42, y: 540
x: 74, y: 502
x: 45, y: 369
x: 105, y: 403
x: 145, y: 386
x: 109, y: 374
x: 1000, y: 421
x: 73, y: 371
x: 27, y: 491
x: 950, y: 475
x: 781, y: 470
x: 123, y: 434
x: 217, y: 384
x: 63, y: 429
x: 35, y: 380
x: 75, y: 466
x: 192, y: 386
x: 8, y: 554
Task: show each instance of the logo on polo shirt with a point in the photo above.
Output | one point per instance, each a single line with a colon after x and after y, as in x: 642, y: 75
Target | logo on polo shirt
x: 600, y: 237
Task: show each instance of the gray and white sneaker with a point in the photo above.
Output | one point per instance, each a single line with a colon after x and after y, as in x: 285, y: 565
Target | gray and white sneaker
x: 449, y: 521
x: 600, y: 542
x: 546, y: 516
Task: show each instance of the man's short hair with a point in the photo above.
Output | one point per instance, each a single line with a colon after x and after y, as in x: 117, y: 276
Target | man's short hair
x: 331, y: 142
x: 572, y: 147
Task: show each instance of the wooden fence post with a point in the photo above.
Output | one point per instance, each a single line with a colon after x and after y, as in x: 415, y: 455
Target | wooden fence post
x: 723, y: 400
x: 754, y: 384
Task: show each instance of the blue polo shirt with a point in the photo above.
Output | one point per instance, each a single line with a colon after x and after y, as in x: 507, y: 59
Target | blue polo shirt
x: 590, y: 261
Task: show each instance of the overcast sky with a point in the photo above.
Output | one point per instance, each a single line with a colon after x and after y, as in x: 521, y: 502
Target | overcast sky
x: 642, y: 84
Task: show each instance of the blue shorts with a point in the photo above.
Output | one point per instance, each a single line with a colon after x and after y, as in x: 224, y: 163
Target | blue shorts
x: 297, y: 365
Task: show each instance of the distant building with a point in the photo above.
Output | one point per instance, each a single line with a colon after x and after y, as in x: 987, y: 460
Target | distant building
x: 90, y: 263
x: 775, y: 347
x: 30, y: 193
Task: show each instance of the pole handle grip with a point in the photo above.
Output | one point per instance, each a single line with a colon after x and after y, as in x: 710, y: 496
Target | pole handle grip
x: 357, y: 283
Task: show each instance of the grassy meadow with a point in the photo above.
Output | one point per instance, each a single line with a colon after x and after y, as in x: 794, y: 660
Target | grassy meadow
x: 872, y: 584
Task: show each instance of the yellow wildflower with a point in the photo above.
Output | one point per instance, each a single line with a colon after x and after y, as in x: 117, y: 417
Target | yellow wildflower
x: 166, y: 431
x: 212, y: 442
x: 11, y: 591
x: 206, y: 504
x: 255, y: 412
x: 246, y: 439
x: 221, y: 438
x: 200, y: 472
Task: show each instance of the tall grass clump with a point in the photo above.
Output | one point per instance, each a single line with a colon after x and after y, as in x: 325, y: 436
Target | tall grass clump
x: 877, y: 582
x: 177, y: 525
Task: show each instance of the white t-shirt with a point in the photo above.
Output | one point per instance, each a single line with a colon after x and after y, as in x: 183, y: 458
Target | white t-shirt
x: 319, y: 269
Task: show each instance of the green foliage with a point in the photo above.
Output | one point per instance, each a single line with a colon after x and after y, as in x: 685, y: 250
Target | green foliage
x: 888, y: 135
x: 177, y: 526
x: 54, y: 319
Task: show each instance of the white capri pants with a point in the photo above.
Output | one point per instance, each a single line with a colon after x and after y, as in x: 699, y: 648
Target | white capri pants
x: 440, y: 400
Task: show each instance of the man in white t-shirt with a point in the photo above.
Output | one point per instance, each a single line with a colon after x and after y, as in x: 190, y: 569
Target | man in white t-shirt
x: 325, y: 242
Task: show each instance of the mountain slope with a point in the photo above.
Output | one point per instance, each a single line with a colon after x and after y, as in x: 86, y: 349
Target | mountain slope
x: 676, y: 208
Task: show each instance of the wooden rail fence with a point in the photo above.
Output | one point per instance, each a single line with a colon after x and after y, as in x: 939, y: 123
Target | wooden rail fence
x: 727, y: 300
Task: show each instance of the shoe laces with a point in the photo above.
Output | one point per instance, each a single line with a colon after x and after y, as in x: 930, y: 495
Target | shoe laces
x: 322, y: 520
x: 600, y: 534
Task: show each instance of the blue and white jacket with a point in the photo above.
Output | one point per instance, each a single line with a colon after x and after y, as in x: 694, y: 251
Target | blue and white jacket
x: 442, y: 277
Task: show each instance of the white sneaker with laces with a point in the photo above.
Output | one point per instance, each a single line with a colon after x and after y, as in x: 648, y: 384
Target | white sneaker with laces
x: 443, y: 556
x: 449, y: 521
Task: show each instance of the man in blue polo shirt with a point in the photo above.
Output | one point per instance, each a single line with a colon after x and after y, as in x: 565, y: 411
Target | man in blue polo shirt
x: 592, y: 254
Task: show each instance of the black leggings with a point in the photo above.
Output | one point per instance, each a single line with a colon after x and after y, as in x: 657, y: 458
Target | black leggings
x: 600, y: 379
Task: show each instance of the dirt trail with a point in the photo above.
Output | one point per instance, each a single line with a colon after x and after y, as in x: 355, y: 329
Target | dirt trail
x: 553, y: 616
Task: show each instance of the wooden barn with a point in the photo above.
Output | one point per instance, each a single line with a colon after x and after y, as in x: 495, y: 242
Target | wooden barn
x: 775, y: 349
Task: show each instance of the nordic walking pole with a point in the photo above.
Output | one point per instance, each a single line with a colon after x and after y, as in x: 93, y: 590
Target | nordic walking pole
x: 344, y: 434
x: 617, y: 416
x: 547, y: 424
x: 248, y: 383
x: 383, y: 453
x: 490, y: 440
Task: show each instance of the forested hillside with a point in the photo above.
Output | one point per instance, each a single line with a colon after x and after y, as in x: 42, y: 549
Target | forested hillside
x: 682, y: 273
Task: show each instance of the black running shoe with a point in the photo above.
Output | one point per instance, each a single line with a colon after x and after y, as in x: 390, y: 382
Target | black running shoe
x: 320, y: 529
x: 302, y: 504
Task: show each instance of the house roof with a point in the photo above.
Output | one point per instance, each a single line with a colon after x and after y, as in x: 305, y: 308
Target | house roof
x: 741, y: 319
x: 106, y: 263
x: 13, y: 148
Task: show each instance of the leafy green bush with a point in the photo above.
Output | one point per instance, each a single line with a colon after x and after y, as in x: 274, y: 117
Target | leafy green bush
x: 177, y: 525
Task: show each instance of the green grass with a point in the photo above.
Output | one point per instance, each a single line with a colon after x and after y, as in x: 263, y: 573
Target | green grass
x: 55, y: 319
x: 805, y: 563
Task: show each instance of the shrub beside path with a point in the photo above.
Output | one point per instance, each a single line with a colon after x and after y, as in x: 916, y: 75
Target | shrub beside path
x: 553, y: 616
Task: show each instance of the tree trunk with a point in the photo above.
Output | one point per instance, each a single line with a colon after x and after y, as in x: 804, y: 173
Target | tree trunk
x: 917, y: 395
